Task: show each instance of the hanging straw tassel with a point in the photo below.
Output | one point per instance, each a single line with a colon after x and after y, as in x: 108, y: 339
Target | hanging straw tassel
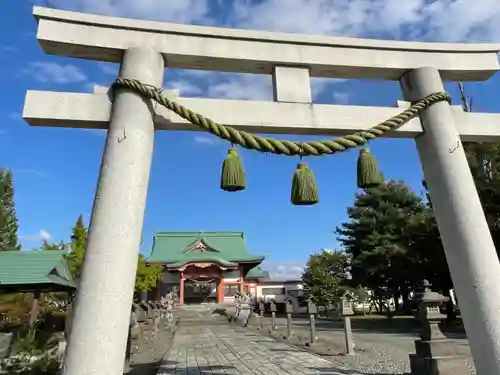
x: 368, y: 173
x: 233, y: 174
x: 304, y: 188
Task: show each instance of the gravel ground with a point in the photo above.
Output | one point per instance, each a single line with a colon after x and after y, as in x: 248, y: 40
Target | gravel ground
x: 376, y: 353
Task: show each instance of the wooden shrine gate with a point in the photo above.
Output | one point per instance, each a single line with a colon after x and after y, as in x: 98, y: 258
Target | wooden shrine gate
x: 144, y: 48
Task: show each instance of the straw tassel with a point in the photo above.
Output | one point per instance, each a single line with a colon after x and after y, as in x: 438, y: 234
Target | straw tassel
x: 304, y: 188
x: 233, y: 174
x: 368, y: 172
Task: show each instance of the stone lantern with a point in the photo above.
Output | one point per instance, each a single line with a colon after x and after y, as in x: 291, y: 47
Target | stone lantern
x: 429, y: 312
x: 435, y: 353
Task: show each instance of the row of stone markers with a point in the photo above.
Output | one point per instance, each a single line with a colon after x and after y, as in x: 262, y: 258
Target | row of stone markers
x: 344, y: 308
x: 147, y: 319
x: 434, y: 352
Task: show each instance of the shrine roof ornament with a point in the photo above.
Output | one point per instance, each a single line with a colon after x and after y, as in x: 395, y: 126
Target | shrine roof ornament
x: 201, y: 245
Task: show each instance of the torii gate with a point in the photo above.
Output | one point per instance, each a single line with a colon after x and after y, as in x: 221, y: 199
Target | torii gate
x: 144, y: 48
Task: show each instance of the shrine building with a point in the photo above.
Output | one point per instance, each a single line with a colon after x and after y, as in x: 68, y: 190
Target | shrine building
x: 204, y: 266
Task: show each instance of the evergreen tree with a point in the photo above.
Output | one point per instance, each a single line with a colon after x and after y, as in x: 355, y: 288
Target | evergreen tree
x: 77, y: 245
x: 484, y: 162
x: 8, y: 218
x: 380, y: 259
x: 325, y: 275
x: 147, y: 274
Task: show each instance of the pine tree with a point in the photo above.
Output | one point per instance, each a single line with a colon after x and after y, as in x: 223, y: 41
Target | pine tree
x: 8, y: 218
x: 77, y: 245
x: 380, y: 259
x: 484, y: 162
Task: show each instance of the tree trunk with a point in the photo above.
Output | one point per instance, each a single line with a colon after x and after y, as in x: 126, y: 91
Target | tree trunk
x: 397, y: 306
x: 35, y: 308
x: 406, y: 304
x: 451, y: 315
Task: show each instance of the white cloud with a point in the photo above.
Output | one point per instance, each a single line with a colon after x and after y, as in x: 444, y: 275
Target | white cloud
x: 238, y: 86
x: 14, y: 116
x: 287, y: 269
x: 185, y: 87
x: 42, y: 235
x: 109, y: 68
x: 10, y: 49
x: 183, y: 11
x: 445, y: 20
x: 55, y: 73
x: 341, y: 97
x: 225, y: 85
x: 33, y: 172
x: 204, y: 140
x: 439, y: 20
x: 91, y: 86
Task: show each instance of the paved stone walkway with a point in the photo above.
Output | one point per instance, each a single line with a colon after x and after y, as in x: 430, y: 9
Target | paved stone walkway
x: 215, y: 347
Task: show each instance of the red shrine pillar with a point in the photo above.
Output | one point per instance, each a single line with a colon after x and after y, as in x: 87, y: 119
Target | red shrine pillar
x: 181, y: 292
x: 220, y: 291
x: 241, y: 281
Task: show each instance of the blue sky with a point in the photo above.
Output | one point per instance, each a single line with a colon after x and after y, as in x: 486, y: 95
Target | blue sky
x: 56, y: 169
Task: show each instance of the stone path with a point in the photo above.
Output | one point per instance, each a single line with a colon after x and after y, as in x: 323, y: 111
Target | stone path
x: 214, y: 347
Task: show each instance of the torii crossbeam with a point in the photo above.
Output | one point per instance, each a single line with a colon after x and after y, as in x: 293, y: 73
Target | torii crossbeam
x: 100, y: 324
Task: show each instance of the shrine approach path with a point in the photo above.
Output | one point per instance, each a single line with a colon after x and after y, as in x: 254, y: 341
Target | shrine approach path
x: 206, y: 344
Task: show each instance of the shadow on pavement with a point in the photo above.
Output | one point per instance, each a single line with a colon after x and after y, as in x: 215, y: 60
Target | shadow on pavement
x: 341, y: 371
x: 290, y: 350
x: 169, y: 367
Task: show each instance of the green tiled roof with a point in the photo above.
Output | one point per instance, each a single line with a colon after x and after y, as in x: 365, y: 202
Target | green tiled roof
x: 177, y: 248
x: 41, y: 268
x: 255, y: 272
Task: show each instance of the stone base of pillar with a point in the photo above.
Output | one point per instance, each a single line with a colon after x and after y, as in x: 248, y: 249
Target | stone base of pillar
x: 437, y: 357
x: 438, y: 366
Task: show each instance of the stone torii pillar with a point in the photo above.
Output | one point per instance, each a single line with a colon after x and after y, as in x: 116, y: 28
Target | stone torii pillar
x: 105, y: 293
x: 467, y: 242
x: 98, y: 342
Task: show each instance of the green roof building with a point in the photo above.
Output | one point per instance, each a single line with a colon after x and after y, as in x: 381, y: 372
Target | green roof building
x: 200, y: 266
x: 30, y: 271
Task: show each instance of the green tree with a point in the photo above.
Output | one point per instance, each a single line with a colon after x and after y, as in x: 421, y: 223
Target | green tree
x: 46, y: 245
x: 484, y: 162
x: 77, y: 246
x: 325, y: 274
x: 147, y: 275
x: 380, y: 259
x: 8, y: 218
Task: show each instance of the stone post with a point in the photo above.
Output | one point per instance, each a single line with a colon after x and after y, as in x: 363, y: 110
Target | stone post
x: 435, y: 354
x: 289, y: 312
x: 346, y: 311
x: 312, y: 310
x: 262, y: 307
x: 466, y: 238
x: 99, y: 331
x: 272, y: 308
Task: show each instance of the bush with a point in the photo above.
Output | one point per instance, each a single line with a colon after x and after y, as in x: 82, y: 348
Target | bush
x: 25, y: 363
